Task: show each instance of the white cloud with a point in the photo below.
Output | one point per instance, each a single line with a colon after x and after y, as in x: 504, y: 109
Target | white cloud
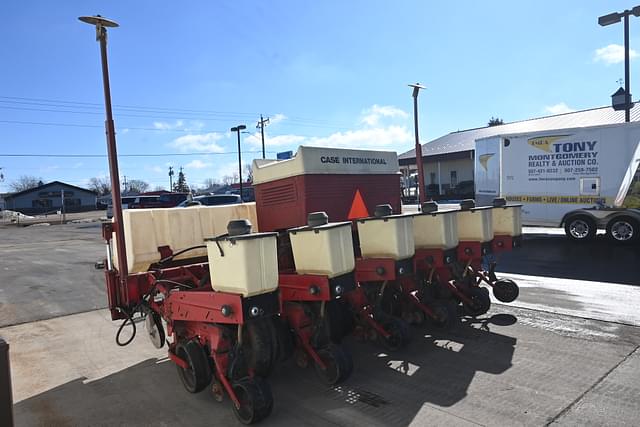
x: 167, y: 125
x: 372, y: 138
x: 157, y: 169
x: 191, y: 126
x: 205, y: 142
x: 197, y: 164
x: 274, y: 141
x: 277, y: 118
x: 612, y: 54
x: 388, y: 137
x: 371, y: 116
x: 559, y: 108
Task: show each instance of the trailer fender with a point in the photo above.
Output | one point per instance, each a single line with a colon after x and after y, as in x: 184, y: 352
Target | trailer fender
x: 578, y: 212
x: 630, y: 213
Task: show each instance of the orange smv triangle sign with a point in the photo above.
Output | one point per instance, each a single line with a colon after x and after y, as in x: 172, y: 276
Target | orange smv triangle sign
x: 358, y: 208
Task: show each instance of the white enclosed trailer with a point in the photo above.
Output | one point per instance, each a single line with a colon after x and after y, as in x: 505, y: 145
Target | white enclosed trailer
x: 577, y: 178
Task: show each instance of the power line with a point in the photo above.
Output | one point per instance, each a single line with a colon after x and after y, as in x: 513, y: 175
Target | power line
x: 130, y: 155
x: 160, y: 110
x: 80, y: 125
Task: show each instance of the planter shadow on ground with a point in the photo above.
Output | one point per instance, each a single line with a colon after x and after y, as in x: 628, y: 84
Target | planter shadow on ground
x: 385, y: 389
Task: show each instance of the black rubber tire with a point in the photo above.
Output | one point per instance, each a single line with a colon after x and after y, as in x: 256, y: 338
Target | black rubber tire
x: 335, y: 364
x: 390, y: 302
x: 481, y: 302
x: 576, y: 225
x: 257, y: 347
x: 198, y: 376
x: 399, y: 331
x: 634, y: 229
x: 447, y: 314
x: 284, y: 338
x: 506, y: 290
x: 348, y: 363
x: 256, y: 400
x: 338, y: 320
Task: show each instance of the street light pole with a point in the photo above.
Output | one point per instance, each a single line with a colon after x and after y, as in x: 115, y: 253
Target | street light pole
x: 237, y: 129
x: 614, y: 18
x: 421, y: 185
x: 101, y: 25
x: 627, y: 103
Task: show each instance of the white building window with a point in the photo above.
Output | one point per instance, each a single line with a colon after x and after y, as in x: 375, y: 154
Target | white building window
x: 454, y: 179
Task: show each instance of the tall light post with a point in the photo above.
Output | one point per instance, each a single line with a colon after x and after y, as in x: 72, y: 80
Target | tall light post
x: 238, y: 129
x: 101, y: 25
x: 421, y: 186
x: 614, y: 18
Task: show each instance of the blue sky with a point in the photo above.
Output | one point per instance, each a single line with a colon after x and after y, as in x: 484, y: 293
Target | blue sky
x: 326, y: 73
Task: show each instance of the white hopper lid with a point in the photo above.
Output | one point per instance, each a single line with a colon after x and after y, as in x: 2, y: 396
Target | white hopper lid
x: 322, y: 160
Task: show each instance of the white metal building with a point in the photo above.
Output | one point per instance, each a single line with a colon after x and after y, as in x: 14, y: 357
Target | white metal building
x: 448, y: 160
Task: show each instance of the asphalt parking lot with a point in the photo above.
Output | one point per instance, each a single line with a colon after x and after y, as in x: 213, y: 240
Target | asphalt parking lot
x: 565, y: 353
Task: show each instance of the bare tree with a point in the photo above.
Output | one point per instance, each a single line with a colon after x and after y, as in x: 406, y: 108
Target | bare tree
x: 138, y: 186
x: 159, y: 188
x: 230, y: 179
x: 25, y: 182
x: 102, y: 186
x: 247, y: 172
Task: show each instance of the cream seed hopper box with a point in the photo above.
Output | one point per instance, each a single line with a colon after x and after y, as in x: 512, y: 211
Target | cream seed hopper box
x: 434, y: 229
x: 322, y: 247
x: 145, y: 230
x: 507, y: 219
x: 475, y: 224
x: 242, y: 262
x: 386, y: 235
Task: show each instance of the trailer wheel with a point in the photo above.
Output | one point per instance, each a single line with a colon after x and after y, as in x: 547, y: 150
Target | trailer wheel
x: 446, y: 312
x: 256, y: 400
x: 580, y: 228
x: 198, y: 375
x: 505, y: 290
x: 399, y: 334
x: 480, y: 302
x: 623, y: 229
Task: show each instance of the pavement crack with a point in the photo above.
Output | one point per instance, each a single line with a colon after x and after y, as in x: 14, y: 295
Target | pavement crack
x: 593, y: 386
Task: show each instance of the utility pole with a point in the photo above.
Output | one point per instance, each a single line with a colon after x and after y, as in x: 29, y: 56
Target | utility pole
x: 260, y: 126
x: 418, y: 148
x: 170, y: 178
x: 62, y: 209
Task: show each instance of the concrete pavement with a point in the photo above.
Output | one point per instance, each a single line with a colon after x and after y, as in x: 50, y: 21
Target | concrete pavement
x: 511, y: 367
x: 49, y: 271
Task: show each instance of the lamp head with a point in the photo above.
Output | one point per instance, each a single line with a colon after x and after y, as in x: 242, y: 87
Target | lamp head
x: 416, y: 88
x: 100, y: 23
x: 612, y: 18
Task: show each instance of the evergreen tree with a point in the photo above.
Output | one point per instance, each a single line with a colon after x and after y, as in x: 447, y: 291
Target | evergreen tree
x: 495, y: 121
x: 181, y: 185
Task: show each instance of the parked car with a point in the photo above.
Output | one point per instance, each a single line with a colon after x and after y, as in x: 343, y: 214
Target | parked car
x: 213, y: 200
x: 165, y: 200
